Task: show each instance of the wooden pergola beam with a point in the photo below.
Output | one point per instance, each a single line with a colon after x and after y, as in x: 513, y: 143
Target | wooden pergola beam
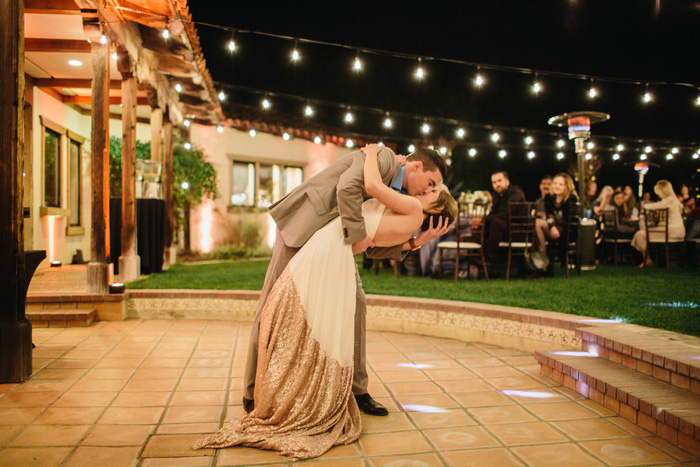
x: 87, y: 100
x: 54, y: 7
x: 71, y: 83
x: 56, y: 45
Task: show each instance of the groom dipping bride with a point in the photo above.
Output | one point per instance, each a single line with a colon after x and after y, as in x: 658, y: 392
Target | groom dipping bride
x: 310, y: 321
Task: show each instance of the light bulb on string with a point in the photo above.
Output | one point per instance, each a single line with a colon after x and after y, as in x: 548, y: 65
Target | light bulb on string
x: 286, y: 136
x: 528, y: 140
x: 696, y: 155
x: 103, y: 39
x: 561, y: 143
x: 590, y: 145
x: 616, y: 157
x: 536, y: 86
x: 115, y: 56
x: 357, y: 63
x: 560, y: 156
x: 697, y: 100
x: 178, y: 87
x: 495, y: 137
x: 349, y: 117
x: 669, y: 156
x: 472, y: 152
x: 220, y: 129
x: 186, y: 122
x: 531, y: 155
x: 166, y: 34
x: 502, y: 153
x: 296, y: 56
x: 266, y: 104
x: 442, y: 150
x: 252, y: 133
x: 420, y: 72
x: 648, y: 149
x: 620, y: 147
x: 231, y: 46
x: 643, y: 157
x: 411, y: 147
x: 479, y: 80
x: 222, y: 96
x: 592, y: 91
x: 308, y: 111
x: 350, y: 143
x: 674, y: 150
x: 461, y: 132
x: 187, y: 146
x: 589, y: 156
x: 647, y: 97
x: 317, y: 140
x: 388, y: 123
x: 425, y: 128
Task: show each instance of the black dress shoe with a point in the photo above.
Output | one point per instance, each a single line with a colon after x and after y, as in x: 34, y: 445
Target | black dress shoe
x: 248, y: 405
x: 370, y: 406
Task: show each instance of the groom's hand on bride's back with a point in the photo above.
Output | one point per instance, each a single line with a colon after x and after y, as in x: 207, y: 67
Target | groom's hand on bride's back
x: 362, y: 245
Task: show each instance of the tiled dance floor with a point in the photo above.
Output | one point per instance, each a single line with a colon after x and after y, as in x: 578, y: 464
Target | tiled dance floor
x: 137, y: 393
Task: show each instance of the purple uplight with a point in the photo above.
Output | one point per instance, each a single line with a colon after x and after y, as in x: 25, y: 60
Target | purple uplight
x: 416, y: 366
x: 530, y: 394
x: 423, y: 408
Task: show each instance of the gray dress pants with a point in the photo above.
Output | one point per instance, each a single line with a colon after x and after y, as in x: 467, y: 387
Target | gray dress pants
x: 281, y: 255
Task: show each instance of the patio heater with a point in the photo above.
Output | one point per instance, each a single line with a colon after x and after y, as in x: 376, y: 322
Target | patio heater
x: 579, y: 124
x: 642, y: 168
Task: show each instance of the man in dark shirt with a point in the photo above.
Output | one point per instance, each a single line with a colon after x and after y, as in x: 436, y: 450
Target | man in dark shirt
x: 497, y: 219
x: 545, y: 184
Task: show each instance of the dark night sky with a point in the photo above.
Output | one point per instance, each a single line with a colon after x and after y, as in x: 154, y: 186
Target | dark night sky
x: 636, y: 40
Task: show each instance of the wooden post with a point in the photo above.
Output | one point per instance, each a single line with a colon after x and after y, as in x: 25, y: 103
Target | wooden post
x: 98, y: 271
x: 156, y: 134
x: 15, y: 329
x: 169, y: 252
x: 129, y: 261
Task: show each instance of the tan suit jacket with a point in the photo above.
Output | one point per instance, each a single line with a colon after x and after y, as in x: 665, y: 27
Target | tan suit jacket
x: 337, y: 190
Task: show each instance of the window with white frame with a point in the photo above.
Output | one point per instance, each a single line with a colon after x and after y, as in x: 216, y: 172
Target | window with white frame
x: 258, y: 184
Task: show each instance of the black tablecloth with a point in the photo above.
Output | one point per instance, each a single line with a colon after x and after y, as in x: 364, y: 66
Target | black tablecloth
x: 150, y: 233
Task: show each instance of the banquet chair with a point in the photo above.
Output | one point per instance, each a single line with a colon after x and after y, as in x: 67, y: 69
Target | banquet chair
x: 521, y: 231
x: 612, y: 235
x: 468, y: 243
x: 656, y: 223
x: 568, y: 252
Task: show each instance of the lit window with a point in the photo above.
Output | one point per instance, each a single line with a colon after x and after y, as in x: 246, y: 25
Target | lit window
x: 52, y: 168
x: 260, y: 185
x: 74, y: 175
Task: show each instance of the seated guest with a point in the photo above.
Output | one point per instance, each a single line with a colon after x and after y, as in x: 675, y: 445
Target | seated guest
x: 630, y: 200
x: 558, y: 204
x: 623, y: 227
x: 691, y: 213
x: 497, y: 220
x: 646, y: 198
x: 603, y: 201
x: 545, y: 184
x: 676, y: 229
x: 588, y: 198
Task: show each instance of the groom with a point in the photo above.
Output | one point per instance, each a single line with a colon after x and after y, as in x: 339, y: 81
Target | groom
x: 336, y: 191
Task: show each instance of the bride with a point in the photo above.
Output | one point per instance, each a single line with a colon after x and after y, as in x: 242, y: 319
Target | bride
x: 303, y: 390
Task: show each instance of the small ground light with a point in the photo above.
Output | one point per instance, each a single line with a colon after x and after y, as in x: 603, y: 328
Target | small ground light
x: 55, y: 264
x: 116, y: 287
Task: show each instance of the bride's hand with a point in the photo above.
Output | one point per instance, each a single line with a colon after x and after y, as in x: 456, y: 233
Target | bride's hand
x: 371, y: 147
x: 443, y: 226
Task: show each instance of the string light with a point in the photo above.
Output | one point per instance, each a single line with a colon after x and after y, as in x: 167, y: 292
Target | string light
x: 308, y: 111
x: 266, y: 104
x: 502, y: 153
x: 349, y: 117
x: 616, y: 157
x: 318, y: 140
x: 222, y: 96
x: 536, y: 86
x: 286, y: 136
x: 443, y: 150
x: 387, y: 122
x: 231, y: 46
x: 425, y: 128
x: 620, y: 147
x: 178, y: 87
x: 252, y: 133
x: 472, y: 152
x: 561, y: 143
x: 531, y: 155
x: 643, y: 157
x: 461, y: 132
x: 220, y: 129
x: 696, y: 155
x: 528, y: 140
x: 592, y: 91
x: 420, y: 73
x: 648, y: 97
x: 674, y: 150
x: 357, y: 64
x: 697, y: 100
x: 495, y: 137
x: 350, y: 143
x: 479, y: 80
x: 296, y: 56
x: 560, y: 155
x: 648, y: 149
x: 589, y: 156
x: 187, y: 145
x: 166, y: 34
x: 186, y: 122
x: 411, y: 148
x: 115, y: 56
x: 669, y: 156
x: 590, y: 145
x: 103, y: 39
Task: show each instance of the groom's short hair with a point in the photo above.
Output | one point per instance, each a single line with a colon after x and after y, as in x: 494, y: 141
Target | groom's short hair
x: 431, y: 160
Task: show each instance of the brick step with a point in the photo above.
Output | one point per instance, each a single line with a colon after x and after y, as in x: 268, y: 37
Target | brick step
x: 669, y: 356
x: 61, y: 318
x: 670, y: 412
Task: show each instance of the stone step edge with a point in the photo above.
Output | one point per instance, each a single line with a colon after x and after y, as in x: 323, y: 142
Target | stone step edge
x: 62, y: 314
x: 655, y: 364
x: 639, y: 398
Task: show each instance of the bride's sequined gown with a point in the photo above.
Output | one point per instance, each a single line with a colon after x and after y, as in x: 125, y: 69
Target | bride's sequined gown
x: 303, y: 390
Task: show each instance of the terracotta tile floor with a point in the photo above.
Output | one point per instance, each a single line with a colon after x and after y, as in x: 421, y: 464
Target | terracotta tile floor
x: 138, y: 392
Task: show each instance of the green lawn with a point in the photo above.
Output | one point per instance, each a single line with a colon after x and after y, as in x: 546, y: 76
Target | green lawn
x: 650, y: 297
